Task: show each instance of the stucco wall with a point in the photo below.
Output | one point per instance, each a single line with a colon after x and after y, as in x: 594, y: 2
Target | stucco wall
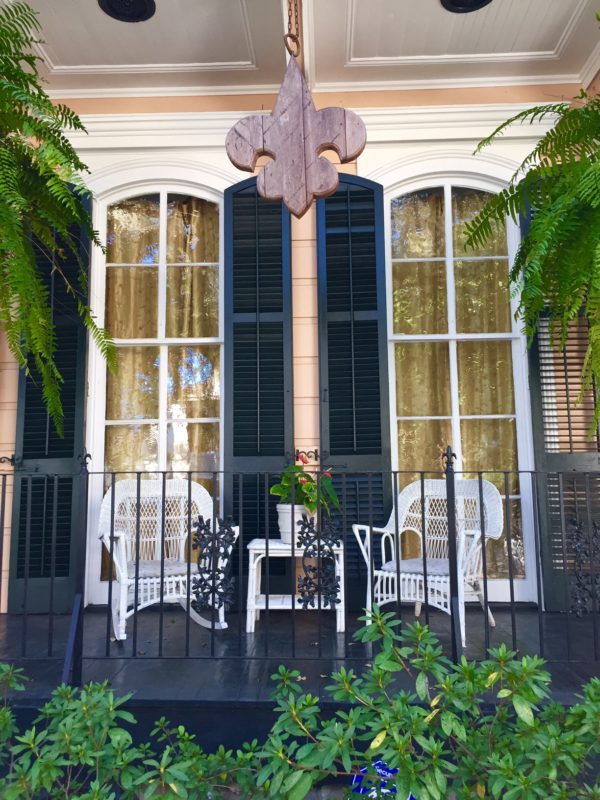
x: 9, y: 378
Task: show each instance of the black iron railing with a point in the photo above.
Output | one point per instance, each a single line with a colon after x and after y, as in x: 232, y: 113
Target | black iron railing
x: 191, y: 565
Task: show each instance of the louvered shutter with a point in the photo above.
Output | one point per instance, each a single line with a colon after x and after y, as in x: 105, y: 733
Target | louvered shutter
x: 258, y: 356
x: 353, y: 358
x: 567, y: 446
x: 45, y: 549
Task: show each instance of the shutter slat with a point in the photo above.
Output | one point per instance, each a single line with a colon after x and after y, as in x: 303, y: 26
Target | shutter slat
x: 567, y: 423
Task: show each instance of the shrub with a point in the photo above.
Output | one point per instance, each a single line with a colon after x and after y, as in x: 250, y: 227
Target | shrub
x: 469, y: 730
x: 472, y: 730
x: 80, y: 746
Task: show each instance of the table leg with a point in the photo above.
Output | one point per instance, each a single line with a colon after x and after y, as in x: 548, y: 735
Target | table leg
x: 251, y: 598
x: 340, y: 613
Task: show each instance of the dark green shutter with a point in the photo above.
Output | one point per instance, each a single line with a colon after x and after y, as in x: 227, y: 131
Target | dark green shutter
x: 258, y: 356
x: 353, y: 355
x: 566, y: 444
x: 45, y: 504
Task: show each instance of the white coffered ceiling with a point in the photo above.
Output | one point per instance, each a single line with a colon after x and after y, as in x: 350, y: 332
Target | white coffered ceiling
x: 235, y: 46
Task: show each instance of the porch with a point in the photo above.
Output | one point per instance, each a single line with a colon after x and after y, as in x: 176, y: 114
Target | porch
x: 221, y: 688
x: 167, y: 659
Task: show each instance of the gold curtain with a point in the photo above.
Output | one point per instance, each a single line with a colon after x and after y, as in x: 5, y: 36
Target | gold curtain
x: 418, y: 225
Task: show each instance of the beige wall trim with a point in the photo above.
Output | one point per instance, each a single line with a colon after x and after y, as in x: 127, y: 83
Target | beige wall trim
x: 204, y: 133
x: 111, y: 102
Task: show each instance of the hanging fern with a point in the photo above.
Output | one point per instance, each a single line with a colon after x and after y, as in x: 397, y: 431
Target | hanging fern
x: 41, y: 201
x: 557, y: 267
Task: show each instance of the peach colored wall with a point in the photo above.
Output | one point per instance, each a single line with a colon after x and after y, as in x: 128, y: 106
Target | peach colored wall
x: 305, y: 325
x: 594, y: 86
x: 9, y: 379
x: 368, y: 99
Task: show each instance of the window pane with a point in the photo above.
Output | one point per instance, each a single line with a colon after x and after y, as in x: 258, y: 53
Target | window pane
x: 193, y: 446
x: 132, y: 302
x: 497, y: 550
x: 422, y: 380
x: 132, y: 392
x: 131, y: 447
x: 466, y: 204
x: 192, y: 301
x: 420, y: 297
x: 482, y: 296
x: 194, y: 381
x: 489, y: 445
x: 421, y: 444
x: 418, y: 224
x: 132, y: 233
x: 192, y: 230
x: 485, y: 378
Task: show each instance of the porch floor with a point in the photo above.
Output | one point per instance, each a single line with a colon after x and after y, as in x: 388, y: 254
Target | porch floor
x: 232, y: 667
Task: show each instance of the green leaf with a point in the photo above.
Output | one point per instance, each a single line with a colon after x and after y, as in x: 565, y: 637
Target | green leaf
x: 447, y: 723
x: 302, y: 787
x: 523, y: 709
x: 422, y: 686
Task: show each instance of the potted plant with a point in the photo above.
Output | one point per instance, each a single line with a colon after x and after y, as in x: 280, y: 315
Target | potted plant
x: 302, y: 492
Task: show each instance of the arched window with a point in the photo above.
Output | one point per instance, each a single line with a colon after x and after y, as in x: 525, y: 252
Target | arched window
x: 162, y: 288
x: 457, y: 351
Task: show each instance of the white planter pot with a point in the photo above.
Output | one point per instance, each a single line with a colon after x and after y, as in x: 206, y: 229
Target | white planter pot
x: 286, y: 519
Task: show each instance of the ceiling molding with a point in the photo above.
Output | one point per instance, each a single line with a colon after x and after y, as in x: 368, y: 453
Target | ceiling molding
x: 162, y: 91
x: 146, y: 69
x: 591, y: 67
x: 570, y: 27
x: 462, y: 58
x: 247, y: 33
x: 446, y: 83
x: 459, y: 58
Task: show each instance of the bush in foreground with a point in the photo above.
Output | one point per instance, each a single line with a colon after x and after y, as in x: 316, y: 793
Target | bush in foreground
x: 469, y: 730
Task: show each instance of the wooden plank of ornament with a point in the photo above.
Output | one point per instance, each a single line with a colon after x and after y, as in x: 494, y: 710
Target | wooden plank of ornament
x: 295, y: 135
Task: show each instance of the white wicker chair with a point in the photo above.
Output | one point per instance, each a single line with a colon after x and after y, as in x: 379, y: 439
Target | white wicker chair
x: 170, y: 539
x: 383, y: 570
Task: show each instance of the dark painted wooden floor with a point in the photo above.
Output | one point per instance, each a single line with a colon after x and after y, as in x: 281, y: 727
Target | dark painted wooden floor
x: 232, y: 667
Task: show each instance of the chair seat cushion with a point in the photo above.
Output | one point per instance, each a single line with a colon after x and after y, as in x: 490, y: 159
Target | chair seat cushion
x: 435, y: 566
x: 151, y: 569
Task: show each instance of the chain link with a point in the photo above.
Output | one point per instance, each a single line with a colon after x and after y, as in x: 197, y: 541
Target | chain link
x: 293, y: 8
x: 292, y: 40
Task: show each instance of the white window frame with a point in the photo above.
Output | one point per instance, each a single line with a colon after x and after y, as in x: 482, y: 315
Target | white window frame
x: 524, y: 589
x: 97, y: 590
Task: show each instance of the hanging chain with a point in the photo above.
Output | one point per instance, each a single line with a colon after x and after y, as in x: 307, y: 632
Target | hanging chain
x: 292, y: 40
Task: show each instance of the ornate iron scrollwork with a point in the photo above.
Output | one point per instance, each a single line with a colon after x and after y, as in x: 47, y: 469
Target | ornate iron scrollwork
x: 585, y: 582
x: 319, y: 580
x: 213, y: 587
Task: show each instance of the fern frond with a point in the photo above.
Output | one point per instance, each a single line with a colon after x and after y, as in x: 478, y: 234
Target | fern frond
x: 556, y: 271
x: 42, y: 199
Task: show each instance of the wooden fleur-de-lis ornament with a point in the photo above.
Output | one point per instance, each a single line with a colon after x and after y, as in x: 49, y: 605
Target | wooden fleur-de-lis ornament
x: 295, y: 135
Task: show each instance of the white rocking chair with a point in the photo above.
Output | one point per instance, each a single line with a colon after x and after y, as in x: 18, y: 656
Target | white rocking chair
x: 383, y: 572
x: 140, y: 533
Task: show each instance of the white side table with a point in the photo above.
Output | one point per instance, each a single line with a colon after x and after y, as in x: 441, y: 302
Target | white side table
x: 257, y: 602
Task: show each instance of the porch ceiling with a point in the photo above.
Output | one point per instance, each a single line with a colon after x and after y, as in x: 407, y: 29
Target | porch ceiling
x: 234, y: 46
